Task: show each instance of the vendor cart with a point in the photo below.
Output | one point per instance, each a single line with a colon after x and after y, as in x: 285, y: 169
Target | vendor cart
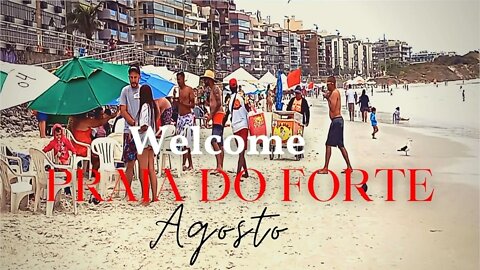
x: 285, y: 124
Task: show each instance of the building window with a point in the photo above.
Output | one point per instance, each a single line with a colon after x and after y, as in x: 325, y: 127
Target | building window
x: 170, y: 39
x: 240, y: 22
x: 239, y: 35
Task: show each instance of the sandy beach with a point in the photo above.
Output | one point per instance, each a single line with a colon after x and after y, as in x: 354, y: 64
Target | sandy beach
x: 441, y: 234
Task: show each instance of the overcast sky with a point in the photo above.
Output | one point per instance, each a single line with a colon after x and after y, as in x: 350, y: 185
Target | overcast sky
x: 448, y: 25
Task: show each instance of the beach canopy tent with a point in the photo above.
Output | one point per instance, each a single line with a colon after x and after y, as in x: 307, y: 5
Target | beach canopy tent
x: 191, y: 79
x: 268, y: 78
x: 241, y: 75
x: 22, y: 83
x: 359, y: 80
x: 85, y: 84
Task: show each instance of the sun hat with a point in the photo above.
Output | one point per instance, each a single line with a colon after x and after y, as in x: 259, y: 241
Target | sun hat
x: 208, y: 74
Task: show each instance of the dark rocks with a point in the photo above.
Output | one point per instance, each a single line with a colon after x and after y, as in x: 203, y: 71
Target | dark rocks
x: 17, y: 120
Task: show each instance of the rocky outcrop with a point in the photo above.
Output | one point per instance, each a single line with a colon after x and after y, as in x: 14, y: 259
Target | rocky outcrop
x: 17, y: 120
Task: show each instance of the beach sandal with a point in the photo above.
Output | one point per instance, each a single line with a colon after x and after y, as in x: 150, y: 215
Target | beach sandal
x: 216, y: 173
x: 345, y: 171
x: 365, y: 187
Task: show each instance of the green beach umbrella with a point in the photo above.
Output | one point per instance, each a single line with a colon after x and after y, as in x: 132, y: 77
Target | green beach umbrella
x: 22, y: 83
x: 85, y: 84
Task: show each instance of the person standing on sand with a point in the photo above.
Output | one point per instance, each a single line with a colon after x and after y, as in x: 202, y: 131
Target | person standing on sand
x: 217, y: 115
x: 350, y: 95
x: 186, y: 118
x: 364, y: 104
x: 373, y: 120
x: 335, y: 132
x: 129, y: 106
x: 239, y: 120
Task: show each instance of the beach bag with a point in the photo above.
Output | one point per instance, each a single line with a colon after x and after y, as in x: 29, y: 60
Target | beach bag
x: 257, y: 124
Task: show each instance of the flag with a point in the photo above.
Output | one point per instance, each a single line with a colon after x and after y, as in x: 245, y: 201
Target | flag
x: 293, y: 78
x: 310, y: 85
x: 279, y: 93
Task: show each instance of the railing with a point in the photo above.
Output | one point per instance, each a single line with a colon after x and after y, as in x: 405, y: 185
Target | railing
x: 45, y: 40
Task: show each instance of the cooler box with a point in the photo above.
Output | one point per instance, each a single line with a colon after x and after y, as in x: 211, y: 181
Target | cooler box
x: 257, y: 124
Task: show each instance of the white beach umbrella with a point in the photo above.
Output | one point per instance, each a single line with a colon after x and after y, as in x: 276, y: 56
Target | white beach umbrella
x: 22, y: 83
x: 241, y: 75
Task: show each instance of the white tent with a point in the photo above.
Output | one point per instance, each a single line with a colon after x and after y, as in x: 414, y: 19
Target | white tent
x: 268, y: 78
x: 241, y: 75
x: 359, y: 80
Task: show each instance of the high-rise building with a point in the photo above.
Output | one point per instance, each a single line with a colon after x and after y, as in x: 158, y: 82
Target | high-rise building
x: 312, y: 53
x: 220, y: 20
x: 49, y: 15
x: 257, y: 45
x: 116, y: 20
x: 295, y: 51
x: 387, y: 51
x: 270, y: 46
x: 163, y: 25
x: 240, y: 33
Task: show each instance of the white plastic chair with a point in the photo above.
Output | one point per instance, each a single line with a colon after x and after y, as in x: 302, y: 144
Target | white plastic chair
x: 86, y: 161
x: 119, y: 125
x: 4, y: 150
x: 17, y: 190
x: 39, y: 161
x: 166, y: 152
x: 105, y: 149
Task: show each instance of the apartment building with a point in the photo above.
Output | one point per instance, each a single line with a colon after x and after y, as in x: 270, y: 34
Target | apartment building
x: 257, y: 46
x: 219, y: 19
x: 240, y: 33
x: 163, y: 25
x: 270, y: 46
x: 312, y: 53
x: 384, y: 51
x: 295, y: 51
x: 48, y: 14
x: 283, y: 58
x: 116, y: 20
x: 426, y: 56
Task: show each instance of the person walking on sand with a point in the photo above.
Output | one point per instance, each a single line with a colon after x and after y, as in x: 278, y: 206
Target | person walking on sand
x: 217, y: 115
x: 186, y: 118
x: 129, y: 106
x: 146, y: 117
x: 463, y: 93
x: 239, y: 118
x: 373, y: 120
x: 364, y: 105
x: 350, y: 95
x: 335, y: 132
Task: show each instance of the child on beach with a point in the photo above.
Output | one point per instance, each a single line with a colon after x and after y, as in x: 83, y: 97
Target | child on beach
x: 60, y: 146
x: 373, y: 120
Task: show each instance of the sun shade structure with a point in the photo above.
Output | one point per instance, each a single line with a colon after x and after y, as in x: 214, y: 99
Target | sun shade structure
x: 22, y: 83
x: 241, y: 75
x: 85, y: 84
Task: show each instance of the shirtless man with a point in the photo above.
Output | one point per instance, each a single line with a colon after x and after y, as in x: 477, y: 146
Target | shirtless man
x: 186, y: 118
x: 216, y: 115
x: 335, y: 132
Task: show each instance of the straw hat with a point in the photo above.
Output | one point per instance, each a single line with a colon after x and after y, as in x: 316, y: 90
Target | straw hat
x: 208, y: 74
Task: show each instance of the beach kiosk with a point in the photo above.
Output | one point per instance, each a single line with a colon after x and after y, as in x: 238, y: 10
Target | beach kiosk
x: 285, y: 124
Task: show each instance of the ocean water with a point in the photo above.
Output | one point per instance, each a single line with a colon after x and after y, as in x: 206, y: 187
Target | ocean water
x: 440, y: 109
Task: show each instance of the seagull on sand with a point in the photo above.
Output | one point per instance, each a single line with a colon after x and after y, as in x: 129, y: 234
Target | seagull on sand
x: 407, y: 147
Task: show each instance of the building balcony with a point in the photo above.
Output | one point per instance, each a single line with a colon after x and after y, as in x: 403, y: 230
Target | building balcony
x: 196, y: 18
x: 107, y: 33
x: 258, y: 39
x: 170, y: 17
x: 239, y: 41
x: 155, y: 45
x: 131, y: 21
x: 257, y: 49
x: 129, y: 4
x: 123, y: 18
x: 198, y: 31
x: 123, y: 37
x: 154, y: 29
x: 238, y: 28
x: 107, y: 14
x: 122, y: 2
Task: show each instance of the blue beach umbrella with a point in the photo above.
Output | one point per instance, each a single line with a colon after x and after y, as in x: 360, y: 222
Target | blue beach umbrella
x: 160, y: 86
x: 279, y: 93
